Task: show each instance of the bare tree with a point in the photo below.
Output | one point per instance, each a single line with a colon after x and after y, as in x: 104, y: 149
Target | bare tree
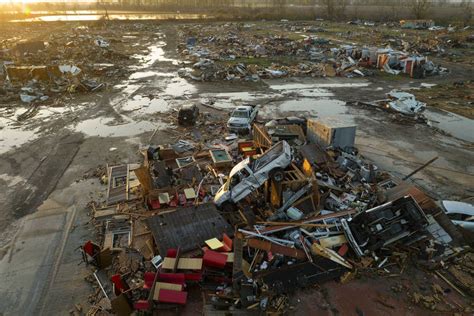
x: 335, y: 8
x: 420, y: 8
x: 329, y: 5
x: 467, y: 12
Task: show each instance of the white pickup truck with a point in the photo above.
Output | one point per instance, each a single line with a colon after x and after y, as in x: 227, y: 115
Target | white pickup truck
x: 249, y: 174
x: 241, y: 119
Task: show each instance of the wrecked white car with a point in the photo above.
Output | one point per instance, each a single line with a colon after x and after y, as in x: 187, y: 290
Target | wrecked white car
x: 241, y: 119
x: 249, y: 174
x: 405, y: 103
x: 460, y: 213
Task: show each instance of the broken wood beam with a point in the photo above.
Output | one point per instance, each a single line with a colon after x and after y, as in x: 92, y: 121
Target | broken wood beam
x: 282, y: 250
x: 277, y: 228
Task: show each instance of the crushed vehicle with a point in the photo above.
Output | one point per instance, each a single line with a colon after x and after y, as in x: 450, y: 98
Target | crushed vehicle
x: 188, y: 114
x: 242, y: 118
x: 460, y: 213
x: 250, y: 174
x: 405, y: 103
x: 395, y: 221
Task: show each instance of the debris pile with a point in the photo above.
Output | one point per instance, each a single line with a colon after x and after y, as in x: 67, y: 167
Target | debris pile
x: 247, y: 222
x: 242, y: 52
x: 77, y: 60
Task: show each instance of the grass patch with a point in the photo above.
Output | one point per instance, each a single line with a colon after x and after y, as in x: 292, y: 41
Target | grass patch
x: 389, y: 77
x: 455, y: 99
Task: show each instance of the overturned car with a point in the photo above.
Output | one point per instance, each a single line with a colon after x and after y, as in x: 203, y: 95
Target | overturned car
x: 249, y: 174
x: 401, y: 220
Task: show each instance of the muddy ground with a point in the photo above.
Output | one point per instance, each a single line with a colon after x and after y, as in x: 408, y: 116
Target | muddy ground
x: 48, y: 159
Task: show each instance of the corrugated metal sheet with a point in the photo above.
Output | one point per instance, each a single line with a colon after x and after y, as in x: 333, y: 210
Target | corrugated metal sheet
x: 188, y: 227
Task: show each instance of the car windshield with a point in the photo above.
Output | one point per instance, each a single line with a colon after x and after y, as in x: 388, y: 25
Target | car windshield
x: 239, y: 114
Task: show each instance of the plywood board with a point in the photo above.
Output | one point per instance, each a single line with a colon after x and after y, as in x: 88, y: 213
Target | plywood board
x: 190, y: 193
x: 333, y: 241
x: 214, y: 243
x: 183, y: 263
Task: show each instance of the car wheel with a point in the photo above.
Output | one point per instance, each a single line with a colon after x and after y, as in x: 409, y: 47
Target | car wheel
x: 277, y: 175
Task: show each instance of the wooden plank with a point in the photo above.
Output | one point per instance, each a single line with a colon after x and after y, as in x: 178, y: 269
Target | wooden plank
x: 183, y: 263
x: 261, y: 138
x: 108, y: 241
x: 144, y: 177
x: 101, y: 214
x: 269, y: 246
x: 333, y: 241
x: 285, y: 226
x: 127, y: 182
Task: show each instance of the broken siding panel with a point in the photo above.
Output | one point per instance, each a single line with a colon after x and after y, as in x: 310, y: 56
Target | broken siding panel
x: 117, y: 185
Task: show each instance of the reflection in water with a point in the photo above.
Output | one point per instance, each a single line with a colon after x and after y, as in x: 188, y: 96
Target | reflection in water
x: 124, y: 16
x: 102, y: 127
x: 458, y: 126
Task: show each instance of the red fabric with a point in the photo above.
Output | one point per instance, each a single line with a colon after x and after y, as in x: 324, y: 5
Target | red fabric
x: 149, y: 277
x: 120, y: 286
x: 227, y: 241
x: 155, y: 204
x: 174, y: 297
x: 141, y: 305
x: 175, y: 278
x: 343, y: 250
x: 171, y: 253
x: 182, y: 199
x: 89, y: 248
x: 214, y: 259
x: 193, y: 276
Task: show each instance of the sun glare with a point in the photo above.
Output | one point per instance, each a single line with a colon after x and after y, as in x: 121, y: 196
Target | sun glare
x: 27, y: 10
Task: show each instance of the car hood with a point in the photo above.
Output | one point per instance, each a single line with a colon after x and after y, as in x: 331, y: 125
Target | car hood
x: 458, y: 207
x: 238, y: 120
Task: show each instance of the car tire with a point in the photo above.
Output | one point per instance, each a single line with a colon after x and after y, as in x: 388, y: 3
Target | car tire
x: 277, y: 174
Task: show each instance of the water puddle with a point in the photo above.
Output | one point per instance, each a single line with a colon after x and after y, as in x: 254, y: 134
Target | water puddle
x: 13, y: 135
x: 179, y: 87
x: 155, y: 53
x: 145, y: 105
x: 321, y: 108
x: 456, y: 125
x: 299, y: 86
x: 243, y: 96
x: 173, y: 86
x: 142, y: 75
x: 127, y: 88
x: 103, y: 127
